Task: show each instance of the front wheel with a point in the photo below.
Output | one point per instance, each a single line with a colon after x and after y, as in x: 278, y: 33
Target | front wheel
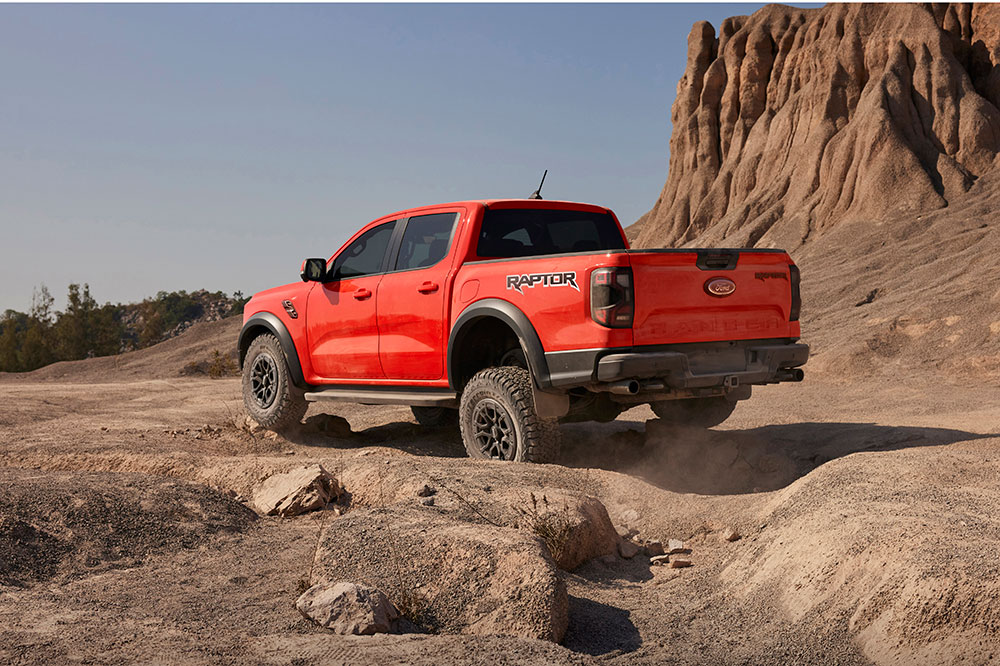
x: 701, y: 412
x: 268, y: 393
x: 498, y: 419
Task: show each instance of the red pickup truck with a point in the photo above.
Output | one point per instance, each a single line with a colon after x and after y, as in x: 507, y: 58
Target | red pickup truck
x: 512, y: 315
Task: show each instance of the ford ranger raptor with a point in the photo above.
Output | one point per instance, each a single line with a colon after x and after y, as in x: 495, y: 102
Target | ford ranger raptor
x: 510, y: 316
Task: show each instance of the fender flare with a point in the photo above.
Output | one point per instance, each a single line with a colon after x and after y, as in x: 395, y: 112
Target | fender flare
x: 266, y: 321
x: 511, y: 315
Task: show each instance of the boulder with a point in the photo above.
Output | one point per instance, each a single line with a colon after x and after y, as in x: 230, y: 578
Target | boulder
x: 297, y: 491
x: 348, y: 608
x: 576, y: 528
x: 447, y: 574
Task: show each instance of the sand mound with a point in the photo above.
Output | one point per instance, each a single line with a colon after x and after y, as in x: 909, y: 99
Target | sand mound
x: 450, y: 575
x: 86, y: 523
x: 906, y: 552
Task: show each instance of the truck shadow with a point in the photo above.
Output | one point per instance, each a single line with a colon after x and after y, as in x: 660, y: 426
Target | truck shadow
x: 728, y: 462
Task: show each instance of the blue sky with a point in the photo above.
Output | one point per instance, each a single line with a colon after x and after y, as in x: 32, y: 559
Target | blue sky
x: 162, y: 147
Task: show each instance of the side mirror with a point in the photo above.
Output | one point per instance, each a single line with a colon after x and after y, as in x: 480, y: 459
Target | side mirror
x: 313, y: 270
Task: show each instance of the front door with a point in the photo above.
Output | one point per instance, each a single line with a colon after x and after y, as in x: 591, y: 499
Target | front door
x: 411, y: 300
x: 341, y: 321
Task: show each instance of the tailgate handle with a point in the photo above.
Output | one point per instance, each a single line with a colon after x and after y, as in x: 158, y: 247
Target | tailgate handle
x: 717, y: 260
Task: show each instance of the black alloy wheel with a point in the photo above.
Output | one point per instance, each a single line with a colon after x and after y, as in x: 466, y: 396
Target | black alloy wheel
x: 494, y: 431
x: 264, y: 380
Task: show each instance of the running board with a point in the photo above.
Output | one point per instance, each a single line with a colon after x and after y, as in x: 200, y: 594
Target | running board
x: 386, y: 397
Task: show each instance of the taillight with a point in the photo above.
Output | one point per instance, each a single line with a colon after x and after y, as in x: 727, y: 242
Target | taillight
x: 793, y: 274
x: 612, y: 302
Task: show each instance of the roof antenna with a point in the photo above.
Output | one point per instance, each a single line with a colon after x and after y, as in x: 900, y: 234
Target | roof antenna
x: 537, y: 194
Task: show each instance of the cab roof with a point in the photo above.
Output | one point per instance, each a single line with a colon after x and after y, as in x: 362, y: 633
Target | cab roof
x: 513, y: 203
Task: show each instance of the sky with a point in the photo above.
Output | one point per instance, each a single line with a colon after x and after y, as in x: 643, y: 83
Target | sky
x: 148, y: 148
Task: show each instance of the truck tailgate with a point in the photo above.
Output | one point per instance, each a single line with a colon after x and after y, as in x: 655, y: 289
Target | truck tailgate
x: 673, y: 303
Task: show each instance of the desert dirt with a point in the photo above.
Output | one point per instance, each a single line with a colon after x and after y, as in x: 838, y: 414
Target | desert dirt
x: 867, y: 511
x: 861, y: 138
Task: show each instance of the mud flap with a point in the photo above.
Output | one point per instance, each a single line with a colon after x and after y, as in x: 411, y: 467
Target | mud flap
x: 550, y: 405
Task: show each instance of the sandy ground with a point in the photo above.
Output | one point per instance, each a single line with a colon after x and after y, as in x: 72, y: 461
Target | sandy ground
x: 868, y: 515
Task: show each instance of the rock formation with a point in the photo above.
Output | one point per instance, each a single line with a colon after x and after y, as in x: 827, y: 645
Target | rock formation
x: 791, y: 120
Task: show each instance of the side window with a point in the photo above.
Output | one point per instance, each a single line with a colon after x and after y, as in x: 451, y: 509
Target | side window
x: 365, y: 255
x: 425, y: 241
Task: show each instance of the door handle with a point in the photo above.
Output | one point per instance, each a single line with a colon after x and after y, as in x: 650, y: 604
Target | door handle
x: 428, y: 287
x: 362, y: 293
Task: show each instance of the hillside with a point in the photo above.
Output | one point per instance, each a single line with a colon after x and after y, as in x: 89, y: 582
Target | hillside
x: 863, y: 139
x: 165, y: 360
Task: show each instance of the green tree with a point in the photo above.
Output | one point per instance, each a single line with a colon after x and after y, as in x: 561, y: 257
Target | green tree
x: 35, y: 348
x: 12, y: 327
x: 86, y: 329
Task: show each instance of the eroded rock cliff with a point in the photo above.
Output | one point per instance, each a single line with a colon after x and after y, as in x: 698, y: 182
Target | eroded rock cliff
x: 791, y: 120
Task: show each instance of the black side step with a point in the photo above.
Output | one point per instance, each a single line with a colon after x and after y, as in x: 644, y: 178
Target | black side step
x: 387, y: 396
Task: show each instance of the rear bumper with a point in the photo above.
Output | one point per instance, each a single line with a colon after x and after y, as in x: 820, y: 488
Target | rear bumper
x: 683, y: 366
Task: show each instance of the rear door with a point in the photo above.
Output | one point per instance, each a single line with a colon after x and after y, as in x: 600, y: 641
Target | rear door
x: 341, y: 322
x: 412, y: 297
x: 710, y: 295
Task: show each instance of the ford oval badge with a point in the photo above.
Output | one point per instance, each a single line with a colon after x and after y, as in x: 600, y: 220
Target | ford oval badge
x: 720, y: 287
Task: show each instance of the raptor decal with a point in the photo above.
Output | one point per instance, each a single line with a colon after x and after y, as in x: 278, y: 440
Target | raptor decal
x: 561, y: 279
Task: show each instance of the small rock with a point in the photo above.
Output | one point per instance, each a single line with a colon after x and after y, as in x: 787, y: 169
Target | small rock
x: 628, y: 518
x: 348, y: 608
x: 680, y: 562
x: 427, y: 501
x: 327, y: 424
x: 289, y: 453
x: 306, y: 488
x: 675, y: 546
x: 654, y: 548
x: 729, y: 534
x: 627, y: 549
x: 426, y: 491
x: 627, y: 532
x: 660, y: 560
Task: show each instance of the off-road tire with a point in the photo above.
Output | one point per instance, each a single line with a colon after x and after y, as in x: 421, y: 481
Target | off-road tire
x: 435, y: 417
x: 699, y: 412
x: 288, y: 405
x: 508, y: 389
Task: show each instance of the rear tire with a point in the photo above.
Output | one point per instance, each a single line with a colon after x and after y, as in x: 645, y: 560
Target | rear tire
x: 269, y: 396
x: 435, y: 417
x: 498, y: 419
x: 701, y: 412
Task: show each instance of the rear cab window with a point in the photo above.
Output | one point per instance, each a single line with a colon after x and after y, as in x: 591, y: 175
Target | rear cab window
x: 531, y: 232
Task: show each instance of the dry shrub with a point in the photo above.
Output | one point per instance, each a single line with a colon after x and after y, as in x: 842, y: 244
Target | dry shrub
x: 552, y: 525
x: 220, y: 365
